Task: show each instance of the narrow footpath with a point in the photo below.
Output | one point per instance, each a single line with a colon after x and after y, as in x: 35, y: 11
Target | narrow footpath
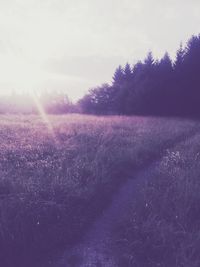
x: 95, y: 249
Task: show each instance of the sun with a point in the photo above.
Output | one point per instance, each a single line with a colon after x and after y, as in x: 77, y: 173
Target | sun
x: 23, y: 76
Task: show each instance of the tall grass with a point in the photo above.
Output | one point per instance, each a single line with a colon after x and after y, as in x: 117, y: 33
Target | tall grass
x: 163, y: 228
x: 55, y: 179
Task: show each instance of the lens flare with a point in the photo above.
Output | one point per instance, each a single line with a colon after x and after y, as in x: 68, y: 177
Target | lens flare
x: 43, y: 115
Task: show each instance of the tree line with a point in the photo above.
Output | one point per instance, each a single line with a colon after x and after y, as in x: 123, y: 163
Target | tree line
x: 163, y: 87
x: 152, y: 87
x: 26, y: 103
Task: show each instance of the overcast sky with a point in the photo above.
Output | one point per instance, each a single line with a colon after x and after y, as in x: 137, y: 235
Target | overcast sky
x: 77, y: 44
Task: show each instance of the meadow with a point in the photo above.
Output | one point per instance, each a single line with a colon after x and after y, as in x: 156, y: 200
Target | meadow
x: 57, y: 174
x: 163, y: 226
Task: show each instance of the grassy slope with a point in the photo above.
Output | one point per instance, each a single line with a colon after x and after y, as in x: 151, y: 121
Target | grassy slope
x: 163, y: 228
x: 55, y: 180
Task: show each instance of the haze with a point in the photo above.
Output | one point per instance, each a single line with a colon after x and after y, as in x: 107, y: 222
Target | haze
x: 73, y: 45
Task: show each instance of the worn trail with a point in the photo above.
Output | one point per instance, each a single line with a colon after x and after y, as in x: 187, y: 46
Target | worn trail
x: 95, y: 248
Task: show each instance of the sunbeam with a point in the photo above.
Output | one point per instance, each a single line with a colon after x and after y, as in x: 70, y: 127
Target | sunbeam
x: 44, y: 116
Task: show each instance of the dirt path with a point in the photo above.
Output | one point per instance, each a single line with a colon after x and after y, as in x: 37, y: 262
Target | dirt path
x: 94, y: 250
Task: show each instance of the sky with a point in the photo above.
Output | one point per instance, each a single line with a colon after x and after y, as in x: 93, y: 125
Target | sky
x: 74, y: 45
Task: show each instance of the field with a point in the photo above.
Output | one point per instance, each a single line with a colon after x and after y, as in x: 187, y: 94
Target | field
x: 163, y: 226
x: 59, y: 174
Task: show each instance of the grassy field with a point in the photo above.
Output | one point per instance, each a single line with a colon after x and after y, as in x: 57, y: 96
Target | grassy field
x: 163, y: 228
x: 57, y: 175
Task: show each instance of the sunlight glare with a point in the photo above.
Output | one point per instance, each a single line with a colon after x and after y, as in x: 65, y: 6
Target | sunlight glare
x: 24, y: 76
x: 43, y: 115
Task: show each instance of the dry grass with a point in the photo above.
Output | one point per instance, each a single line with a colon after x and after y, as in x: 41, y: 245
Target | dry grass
x: 163, y: 228
x: 56, y: 178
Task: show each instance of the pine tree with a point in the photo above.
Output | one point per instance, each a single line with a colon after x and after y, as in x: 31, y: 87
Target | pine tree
x: 127, y: 70
x: 149, y: 60
x: 179, y: 57
x: 165, y: 63
x: 118, y: 76
x: 193, y: 46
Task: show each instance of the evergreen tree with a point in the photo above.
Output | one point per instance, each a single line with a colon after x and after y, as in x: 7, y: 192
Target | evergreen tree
x: 179, y: 58
x: 166, y: 64
x: 118, y: 76
x: 149, y: 60
x: 127, y: 72
x: 191, y: 75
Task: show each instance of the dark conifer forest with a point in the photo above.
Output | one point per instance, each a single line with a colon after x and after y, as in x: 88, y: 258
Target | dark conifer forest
x: 162, y: 87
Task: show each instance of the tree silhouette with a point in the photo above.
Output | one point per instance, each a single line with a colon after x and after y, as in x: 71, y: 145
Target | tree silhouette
x: 149, y: 60
x: 154, y: 87
x: 179, y: 58
x: 127, y: 73
x: 118, y: 76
